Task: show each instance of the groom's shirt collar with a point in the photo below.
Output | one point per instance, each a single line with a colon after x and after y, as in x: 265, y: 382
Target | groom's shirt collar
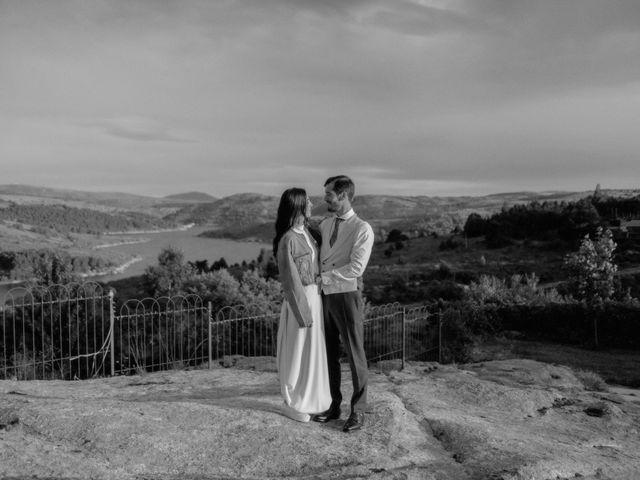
x: 347, y: 215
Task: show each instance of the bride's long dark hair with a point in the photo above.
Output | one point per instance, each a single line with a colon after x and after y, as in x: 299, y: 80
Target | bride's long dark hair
x: 293, y: 203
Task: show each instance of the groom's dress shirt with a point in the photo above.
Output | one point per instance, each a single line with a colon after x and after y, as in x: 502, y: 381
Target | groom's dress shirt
x: 342, y: 264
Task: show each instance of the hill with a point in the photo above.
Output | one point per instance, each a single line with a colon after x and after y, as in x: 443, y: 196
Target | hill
x: 246, y: 215
x: 191, y: 197
x: 22, y: 194
x: 234, y: 213
x: 65, y: 219
x: 508, y: 420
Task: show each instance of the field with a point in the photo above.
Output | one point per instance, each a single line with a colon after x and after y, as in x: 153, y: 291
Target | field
x: 472, y: 256
x: 416, y: 271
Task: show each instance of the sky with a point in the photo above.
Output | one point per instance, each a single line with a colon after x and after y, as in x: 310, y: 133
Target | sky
x: 408, y: 97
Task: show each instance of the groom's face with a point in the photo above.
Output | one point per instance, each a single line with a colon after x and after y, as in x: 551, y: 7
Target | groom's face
x: 332, y: 200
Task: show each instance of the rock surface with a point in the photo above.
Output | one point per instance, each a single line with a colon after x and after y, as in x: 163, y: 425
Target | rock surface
x: 513, y: 419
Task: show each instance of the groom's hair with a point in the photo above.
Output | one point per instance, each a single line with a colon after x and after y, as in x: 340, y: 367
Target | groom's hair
x: 342, y: 183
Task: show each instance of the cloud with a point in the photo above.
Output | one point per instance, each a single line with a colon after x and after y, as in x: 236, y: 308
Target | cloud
x: 256, y: 95
x: 416, y: 18
x: 550, y: 46
x: 139, y: 129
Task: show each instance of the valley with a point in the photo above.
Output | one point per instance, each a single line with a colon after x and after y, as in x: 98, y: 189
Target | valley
x: 238, y: 226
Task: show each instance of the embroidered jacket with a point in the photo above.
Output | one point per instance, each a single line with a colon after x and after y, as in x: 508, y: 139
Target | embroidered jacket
x: 297, y: 270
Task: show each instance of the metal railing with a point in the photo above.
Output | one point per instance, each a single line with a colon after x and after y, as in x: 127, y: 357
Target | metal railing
x: 74, y: 332
x: 247, y: 330
x: 55, y: 332
x: 159, y: 334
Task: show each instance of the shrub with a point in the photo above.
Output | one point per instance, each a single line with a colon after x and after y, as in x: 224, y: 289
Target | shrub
x: 591, y: 381
x: 446, y: 290
x: 613, y: 324
x: 517, y: 290
x: 449, y: 244
x: 395, y: 236
x: 457, y: 339
x: 443, y: 272
x: 497, y: 240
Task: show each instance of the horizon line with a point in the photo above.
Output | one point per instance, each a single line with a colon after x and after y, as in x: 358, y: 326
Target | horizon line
x: 191, y: 192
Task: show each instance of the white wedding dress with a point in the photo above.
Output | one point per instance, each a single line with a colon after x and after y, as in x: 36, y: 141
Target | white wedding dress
x: 302, y: 356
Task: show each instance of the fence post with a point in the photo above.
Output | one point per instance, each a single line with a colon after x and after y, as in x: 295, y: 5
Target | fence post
x: 112, y: 332
x: 404, y: 335
x: 209, y: 324
x: 440, y: 336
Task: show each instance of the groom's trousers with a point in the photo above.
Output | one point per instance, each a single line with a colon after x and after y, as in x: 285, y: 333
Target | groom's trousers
x: 343, y: 318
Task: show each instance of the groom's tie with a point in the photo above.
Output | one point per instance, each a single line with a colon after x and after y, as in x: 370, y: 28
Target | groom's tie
x: 334, y: 234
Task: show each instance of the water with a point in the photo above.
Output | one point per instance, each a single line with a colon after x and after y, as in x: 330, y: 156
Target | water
x: 193, y: 247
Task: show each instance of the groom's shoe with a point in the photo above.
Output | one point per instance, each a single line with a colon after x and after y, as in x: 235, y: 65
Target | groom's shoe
x: 332, y: 414
x: 354, y: 422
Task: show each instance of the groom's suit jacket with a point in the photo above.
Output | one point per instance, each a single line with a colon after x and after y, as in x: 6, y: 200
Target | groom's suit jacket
x: 343, y: 264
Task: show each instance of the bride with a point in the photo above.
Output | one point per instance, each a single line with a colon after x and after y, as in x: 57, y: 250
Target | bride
x: 301, y: 357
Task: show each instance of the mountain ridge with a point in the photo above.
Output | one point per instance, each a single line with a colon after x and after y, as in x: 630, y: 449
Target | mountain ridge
x: 191, y: 197
x: 251, y: 215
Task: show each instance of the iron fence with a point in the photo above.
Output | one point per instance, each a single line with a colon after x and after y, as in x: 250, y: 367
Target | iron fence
x: 59, y: 332
x: 159, y: 334
x: 384, y: 333
x: 247, y: 330
x: 423, y: 334
x: 74, y: 332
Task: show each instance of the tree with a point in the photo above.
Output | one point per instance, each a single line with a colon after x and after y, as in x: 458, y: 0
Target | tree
x: 395, y: 236
x: 222, y: 289
x: 475, y: 226
x: 271, y: 269
x: 219, y: 265
x: 52, y: 267
x: 200, y: 266
x: 258, y: 290
x: 169, y: 275
x: 597, y: 194
x: 592, y: 268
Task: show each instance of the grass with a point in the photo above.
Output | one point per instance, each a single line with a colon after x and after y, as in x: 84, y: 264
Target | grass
x: 592, y: 367
x: 473, y: 257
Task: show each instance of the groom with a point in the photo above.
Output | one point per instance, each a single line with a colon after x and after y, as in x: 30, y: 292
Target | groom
x: 345, y: 250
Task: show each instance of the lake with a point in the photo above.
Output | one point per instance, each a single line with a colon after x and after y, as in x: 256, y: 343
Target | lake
x: 193, y: 247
